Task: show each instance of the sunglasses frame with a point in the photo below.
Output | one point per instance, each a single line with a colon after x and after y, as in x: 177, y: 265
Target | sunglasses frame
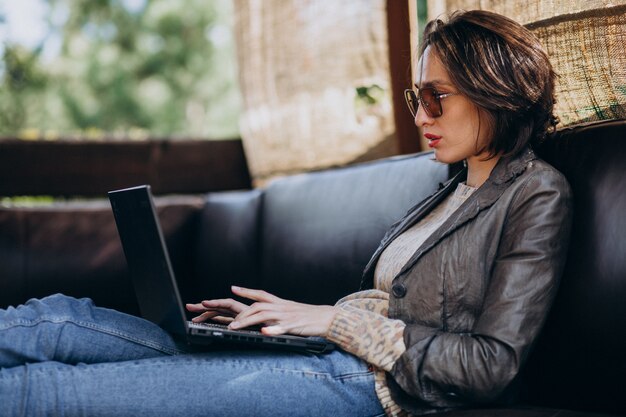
x: 432, y: 111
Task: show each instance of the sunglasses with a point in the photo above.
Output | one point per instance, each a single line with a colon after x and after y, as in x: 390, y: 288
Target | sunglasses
x: 430, y: 99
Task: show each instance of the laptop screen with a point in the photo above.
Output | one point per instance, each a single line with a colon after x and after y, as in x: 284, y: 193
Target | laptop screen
x: 147, y: 258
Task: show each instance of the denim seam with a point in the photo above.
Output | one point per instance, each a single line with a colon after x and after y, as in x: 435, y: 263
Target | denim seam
x: 341, y: 377
x: 242, y: 364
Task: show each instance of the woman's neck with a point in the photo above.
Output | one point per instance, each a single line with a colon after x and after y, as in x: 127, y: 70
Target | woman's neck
x: 479, y: 169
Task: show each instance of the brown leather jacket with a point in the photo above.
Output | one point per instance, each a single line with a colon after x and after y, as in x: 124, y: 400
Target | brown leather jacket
x: 476, y: 293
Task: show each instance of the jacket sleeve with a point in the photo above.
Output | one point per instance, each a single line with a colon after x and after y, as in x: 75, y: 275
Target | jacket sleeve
x: 445, y: 369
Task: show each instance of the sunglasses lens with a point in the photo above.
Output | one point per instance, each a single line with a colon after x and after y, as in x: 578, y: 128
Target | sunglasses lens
x: 431, y: 102
x: 429, y: 99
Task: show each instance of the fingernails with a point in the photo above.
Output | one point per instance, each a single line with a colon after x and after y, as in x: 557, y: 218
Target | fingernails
x: 233, y: 325
x: 235, y: 288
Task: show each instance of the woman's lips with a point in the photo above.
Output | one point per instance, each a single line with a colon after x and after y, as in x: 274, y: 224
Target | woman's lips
x: 433, y: 143
x: 433, y: 140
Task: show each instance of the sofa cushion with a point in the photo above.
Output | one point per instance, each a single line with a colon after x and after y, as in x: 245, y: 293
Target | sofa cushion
x: 318, y: 230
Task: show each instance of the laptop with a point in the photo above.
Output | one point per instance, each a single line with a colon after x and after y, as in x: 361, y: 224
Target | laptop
x: 155, y: 284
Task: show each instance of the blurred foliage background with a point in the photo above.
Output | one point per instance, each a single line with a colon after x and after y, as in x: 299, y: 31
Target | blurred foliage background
x: 122, y: 68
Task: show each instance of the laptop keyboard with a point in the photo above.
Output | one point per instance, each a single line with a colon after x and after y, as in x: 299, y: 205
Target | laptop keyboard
x: 217, y: 326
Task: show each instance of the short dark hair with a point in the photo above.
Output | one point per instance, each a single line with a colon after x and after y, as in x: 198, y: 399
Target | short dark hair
x: 502, y: 68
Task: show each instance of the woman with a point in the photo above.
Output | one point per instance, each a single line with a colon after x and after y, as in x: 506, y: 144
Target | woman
x: 461, y: 285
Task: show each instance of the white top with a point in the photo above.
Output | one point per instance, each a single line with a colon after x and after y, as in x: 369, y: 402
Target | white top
x: 398, y: 253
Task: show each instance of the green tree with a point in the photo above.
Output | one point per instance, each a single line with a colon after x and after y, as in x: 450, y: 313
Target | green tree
x: 22, y: 78
x: 160, y: 66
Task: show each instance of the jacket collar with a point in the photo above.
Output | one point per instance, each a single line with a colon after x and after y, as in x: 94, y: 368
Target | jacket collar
x: 508, y: 168
x: 505, y: 171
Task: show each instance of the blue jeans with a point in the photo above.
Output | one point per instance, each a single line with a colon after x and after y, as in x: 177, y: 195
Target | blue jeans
x: 63, y: 356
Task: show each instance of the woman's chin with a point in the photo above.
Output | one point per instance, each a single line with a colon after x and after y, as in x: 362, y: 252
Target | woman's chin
x: 448, y: 157
x: 443, y: 158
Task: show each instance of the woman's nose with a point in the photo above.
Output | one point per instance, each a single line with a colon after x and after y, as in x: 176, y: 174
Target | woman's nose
x: 422, y: 118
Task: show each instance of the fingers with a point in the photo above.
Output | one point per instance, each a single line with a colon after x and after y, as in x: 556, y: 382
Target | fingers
x: 212, y: 315
x: 222, y: 319
x: 222, y: 310
x: 195, y: 308
x: 267, y: 310
x: 273, y: 330
x: 233, y: 305
x: 226, y: 304
x: 204, y: 317
x: 256, y: 295
x: 258, y: 313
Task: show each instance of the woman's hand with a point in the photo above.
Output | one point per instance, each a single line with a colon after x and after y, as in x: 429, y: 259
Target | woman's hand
x: 278, y: 316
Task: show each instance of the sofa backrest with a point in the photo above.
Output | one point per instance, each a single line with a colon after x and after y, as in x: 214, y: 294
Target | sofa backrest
x: 580, y: 359
x: 308, y: 237
x: 320, y: 229
x: 227, y: 249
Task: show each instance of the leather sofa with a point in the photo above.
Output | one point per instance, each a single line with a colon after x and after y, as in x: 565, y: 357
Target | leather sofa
x: 307, y: 237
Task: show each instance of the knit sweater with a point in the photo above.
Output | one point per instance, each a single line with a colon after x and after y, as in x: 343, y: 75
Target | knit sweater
x: 362, y: 327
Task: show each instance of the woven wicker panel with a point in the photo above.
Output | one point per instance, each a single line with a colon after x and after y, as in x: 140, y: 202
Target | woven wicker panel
x: 586, y: 41
x: 301, y: 63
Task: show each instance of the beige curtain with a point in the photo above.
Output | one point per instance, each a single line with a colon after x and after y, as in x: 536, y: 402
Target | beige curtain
x: 586, y: 41
x: 315, y: 83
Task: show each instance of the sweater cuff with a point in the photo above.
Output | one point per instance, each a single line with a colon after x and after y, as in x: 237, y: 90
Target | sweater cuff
x: 369, y: 336
x: 343, y: 328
